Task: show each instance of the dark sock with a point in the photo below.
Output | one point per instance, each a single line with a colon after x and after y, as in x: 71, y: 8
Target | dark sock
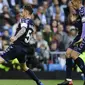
x: 80, y: 63
x: 33, y: 76
x: 68, y: 68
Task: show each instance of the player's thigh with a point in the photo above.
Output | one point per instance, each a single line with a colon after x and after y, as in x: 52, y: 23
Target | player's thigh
x: 24, y: 67
x: 75, y: 54
x: 21, y: 54
x: 21, y: 57
x: 72, y: 47
x: 9, y: 53
x: 68, y: 53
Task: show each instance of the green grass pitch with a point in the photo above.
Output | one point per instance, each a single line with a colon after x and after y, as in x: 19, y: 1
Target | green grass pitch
x: 30, y: 82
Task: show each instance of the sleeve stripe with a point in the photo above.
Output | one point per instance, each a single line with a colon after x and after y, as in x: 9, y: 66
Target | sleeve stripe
x: 24, y: 25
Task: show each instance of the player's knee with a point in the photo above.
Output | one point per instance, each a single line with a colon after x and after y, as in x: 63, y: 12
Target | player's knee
x: 74, y: 55
x: 68, y: 53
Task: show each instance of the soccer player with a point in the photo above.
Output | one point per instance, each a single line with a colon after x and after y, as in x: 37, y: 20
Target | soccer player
x: 21, y: 43
x: 78, y: 45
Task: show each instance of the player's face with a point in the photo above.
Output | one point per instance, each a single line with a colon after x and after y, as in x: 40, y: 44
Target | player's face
x: 24, y: 13
x: 75, y: 4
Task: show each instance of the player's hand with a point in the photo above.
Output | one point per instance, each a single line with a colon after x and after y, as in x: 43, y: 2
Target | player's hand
x: 12, y: 39
x: 79, y: 41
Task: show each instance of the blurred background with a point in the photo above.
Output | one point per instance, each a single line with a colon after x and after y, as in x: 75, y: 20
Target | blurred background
x: 53, y: 34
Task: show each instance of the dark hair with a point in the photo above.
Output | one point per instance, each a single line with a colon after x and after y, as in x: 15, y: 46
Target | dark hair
x: 28, y: 7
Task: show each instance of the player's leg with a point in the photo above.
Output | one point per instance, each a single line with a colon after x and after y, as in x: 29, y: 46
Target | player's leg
x: 8, y: 54
x: 75, y: 55
x: 78, y: 60
x: 22, y: 54
x: 68, y: 80
x: 30, y: 73
x: 68, y: 64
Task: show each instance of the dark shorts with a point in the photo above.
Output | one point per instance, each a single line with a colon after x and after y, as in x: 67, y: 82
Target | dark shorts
x: 15, y: 51
x: 80, y: 47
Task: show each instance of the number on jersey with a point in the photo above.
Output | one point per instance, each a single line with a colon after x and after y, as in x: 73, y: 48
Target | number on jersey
x: 28, y: 36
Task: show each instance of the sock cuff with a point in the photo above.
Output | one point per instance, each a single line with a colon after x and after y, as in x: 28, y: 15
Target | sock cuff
x: 69, y: 79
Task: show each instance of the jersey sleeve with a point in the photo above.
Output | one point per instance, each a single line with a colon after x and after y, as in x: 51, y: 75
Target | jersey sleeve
x: 22, y: 29
x: 23, y: 23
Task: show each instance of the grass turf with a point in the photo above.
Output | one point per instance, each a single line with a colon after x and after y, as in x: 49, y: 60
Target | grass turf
x: 30, y: 82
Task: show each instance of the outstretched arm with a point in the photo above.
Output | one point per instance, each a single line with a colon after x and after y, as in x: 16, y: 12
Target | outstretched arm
x: 20, y: 32
x: 83, y: 27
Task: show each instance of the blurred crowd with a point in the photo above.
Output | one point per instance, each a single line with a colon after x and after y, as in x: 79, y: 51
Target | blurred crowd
x: 53, y: 30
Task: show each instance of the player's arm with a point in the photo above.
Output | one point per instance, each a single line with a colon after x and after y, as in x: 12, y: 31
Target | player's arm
x: 83, y: 31
x: 20, y: 33
x: 82, y: 14
x: 83, y: 27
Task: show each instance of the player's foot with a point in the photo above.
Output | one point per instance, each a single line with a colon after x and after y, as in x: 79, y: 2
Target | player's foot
x: 66, y: 83
x: 40, y: 83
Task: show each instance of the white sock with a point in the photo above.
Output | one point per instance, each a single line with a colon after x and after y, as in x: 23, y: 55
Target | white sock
x: 69, y: 79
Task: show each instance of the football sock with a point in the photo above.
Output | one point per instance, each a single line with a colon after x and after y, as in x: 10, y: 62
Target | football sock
x: 69, y: 79
x: 33, y: 76
x: 68, y: 68
x: 80, y: 63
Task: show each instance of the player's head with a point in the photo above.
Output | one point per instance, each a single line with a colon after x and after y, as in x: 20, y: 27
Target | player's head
x: 27, y: 10
x: 76, y: 4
